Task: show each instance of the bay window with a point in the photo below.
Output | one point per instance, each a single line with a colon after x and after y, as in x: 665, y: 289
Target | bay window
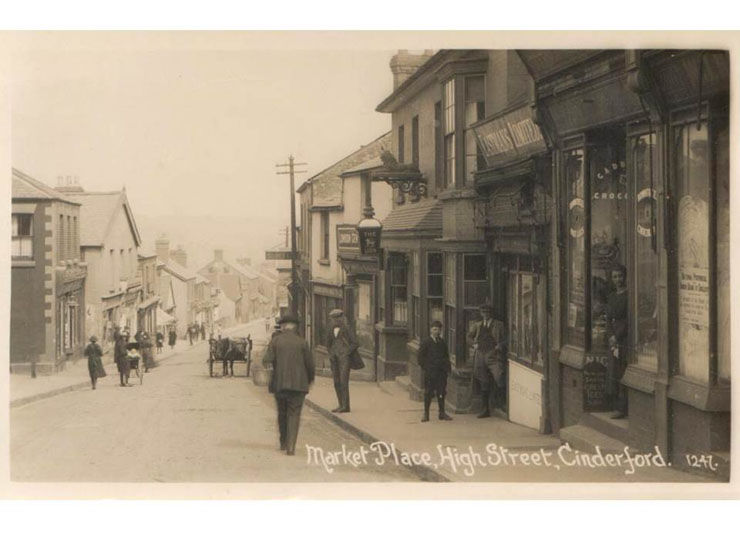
x: 449, y: 132
x: 398, y: 291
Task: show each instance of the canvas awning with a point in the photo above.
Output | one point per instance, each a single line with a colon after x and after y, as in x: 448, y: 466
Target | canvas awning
x: 163, y: 318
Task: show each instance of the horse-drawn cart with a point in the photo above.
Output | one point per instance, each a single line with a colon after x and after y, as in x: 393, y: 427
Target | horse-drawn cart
x: 228, y: 351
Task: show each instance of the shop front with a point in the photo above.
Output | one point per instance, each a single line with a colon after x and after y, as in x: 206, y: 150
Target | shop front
x: 514, y: 210
x: 70, y: 316
x: 640, y: 172
x: 360, y: 296
x: 326, y: 297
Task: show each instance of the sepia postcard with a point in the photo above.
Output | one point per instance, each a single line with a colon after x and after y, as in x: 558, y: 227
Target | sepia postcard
x: 369, y: 265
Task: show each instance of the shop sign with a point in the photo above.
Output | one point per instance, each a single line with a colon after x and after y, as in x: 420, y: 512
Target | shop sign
x: 327, y: 291
x: 594, y: 384
x: 525, y: 395
x: 645, y: 208
x: 347, y: 238
x: 513, y: 136
x: 576, y: 217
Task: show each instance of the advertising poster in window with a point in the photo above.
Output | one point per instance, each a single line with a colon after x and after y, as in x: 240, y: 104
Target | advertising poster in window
x: 693, y: 287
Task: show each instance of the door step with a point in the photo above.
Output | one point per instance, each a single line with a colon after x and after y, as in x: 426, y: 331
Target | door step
x: 604, y: 423
x: 587, y: 439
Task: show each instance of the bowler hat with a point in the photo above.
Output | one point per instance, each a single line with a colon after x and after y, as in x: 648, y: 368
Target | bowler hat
x: 337, y: 312
x: 288, y: 318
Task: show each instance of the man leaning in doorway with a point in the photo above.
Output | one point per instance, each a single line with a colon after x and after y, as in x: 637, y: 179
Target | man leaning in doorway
x: 341, y: 344
x: 489, y: 360
x: 434, y: 360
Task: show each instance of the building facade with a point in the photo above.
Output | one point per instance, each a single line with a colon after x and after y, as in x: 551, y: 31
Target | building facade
x: 109, y: 243
x: 48, y: 278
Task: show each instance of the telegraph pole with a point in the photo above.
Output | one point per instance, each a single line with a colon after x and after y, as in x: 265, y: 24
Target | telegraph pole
x: 293, y: 275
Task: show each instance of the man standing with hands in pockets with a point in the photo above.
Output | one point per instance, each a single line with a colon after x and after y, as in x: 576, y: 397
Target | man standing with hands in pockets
x: 293, y: 373
x: 342, y: 345
x: 434, y: 360
x: 489, y: 361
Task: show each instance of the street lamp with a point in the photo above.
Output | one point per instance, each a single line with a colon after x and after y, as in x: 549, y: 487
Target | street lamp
x: 368, y: 231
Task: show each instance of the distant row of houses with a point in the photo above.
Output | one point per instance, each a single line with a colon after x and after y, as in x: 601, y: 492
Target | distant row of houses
x: 79, y: 269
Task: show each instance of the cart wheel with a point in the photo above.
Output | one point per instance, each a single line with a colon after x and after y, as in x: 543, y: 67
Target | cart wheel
x: 210, y: 366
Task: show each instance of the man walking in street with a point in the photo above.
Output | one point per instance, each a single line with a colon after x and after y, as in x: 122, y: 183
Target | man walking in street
x: 434, y: 360
x: 293, y: 373
x: 342, y: 345
x: 489, y: 361
x: 121, y: 359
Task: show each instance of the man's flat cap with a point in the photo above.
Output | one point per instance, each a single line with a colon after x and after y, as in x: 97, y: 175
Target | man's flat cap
x: 336, y: 313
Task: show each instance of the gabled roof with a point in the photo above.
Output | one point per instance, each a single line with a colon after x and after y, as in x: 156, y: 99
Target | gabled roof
x: 239, y: 268
x: 26, y: 187
x: 369, y: 165
x: 98, y: 213
x: 180, y: 272
x: 327, y: 184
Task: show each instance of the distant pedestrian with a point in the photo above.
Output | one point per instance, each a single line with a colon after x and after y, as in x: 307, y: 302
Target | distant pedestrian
x: 190, y: 333
x: 202, y: 331
x: 121, y: 359
x: 293, y: 373
x: 160, y: 341
x: 172, y: 338
x: 343, y: 356
x: 145, y: 346
x: 267, y: 324
x: 94, y: 355
x: 434, y: 360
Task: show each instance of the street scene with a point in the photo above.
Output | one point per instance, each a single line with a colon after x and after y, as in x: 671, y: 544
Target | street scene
x: 432, y: 265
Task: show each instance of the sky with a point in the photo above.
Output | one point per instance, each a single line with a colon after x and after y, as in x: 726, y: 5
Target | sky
x: 197, y: 131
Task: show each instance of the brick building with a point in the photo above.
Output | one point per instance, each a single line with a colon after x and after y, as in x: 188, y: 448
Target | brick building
x: 47, y: 323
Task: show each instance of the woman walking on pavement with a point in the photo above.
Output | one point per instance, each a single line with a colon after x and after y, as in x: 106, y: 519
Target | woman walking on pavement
x: 93, y: 352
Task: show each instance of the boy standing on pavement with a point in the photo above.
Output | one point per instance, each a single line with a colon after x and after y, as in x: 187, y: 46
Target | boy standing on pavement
x: 434, y: 360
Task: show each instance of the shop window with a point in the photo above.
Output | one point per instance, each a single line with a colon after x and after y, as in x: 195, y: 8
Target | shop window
x: 475, y: 110
x: 325, y: 235
x: 449, y: 132
x: 22, y: 236
x: 415, y: 279
x: 415, y: 141
x: 364, y: 324
x: 435, y: 287
x: 722, y: 142
x: 608, y: 193
x: 398, y: 284
x: 401, y: 144
x: 645, y: 261
x: 525, y: 318
x: 691, y: 182
x: 576, y: 269
x: 475, y: 293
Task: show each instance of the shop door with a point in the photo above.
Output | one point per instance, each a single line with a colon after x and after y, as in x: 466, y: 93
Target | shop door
x: 526, y: 327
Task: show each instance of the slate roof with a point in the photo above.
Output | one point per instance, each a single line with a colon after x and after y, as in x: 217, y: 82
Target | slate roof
x: 369, y: 165
x: 327, y: 184
x: 97, y: 213
x: 425, y: 215
x: 26, y: 187
x: 179, y: 271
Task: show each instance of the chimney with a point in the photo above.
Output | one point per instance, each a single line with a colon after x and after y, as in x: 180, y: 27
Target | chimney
x: 162, y: 246
x: 180, y: 256
x: 403, y: 65
x: 218, y: 255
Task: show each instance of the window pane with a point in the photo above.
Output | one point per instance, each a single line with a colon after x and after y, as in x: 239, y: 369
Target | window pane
x: 475, y: 293
x: 576, y: 314
x: 449, y: 100
x: 608, y: 189
x: 512, y: 313
x: 450, y: 159
x: 692, y: 185
x: 450, y: 292
x: 434, y: 286
x: 434, y: 262
x: 646, y: 261
x: 475, y: 267
x: 471, y: 155
x: 526, y: 316
x: 435, y: 310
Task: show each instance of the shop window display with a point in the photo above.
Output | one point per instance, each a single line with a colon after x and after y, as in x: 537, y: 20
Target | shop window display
x: 576, y: 307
